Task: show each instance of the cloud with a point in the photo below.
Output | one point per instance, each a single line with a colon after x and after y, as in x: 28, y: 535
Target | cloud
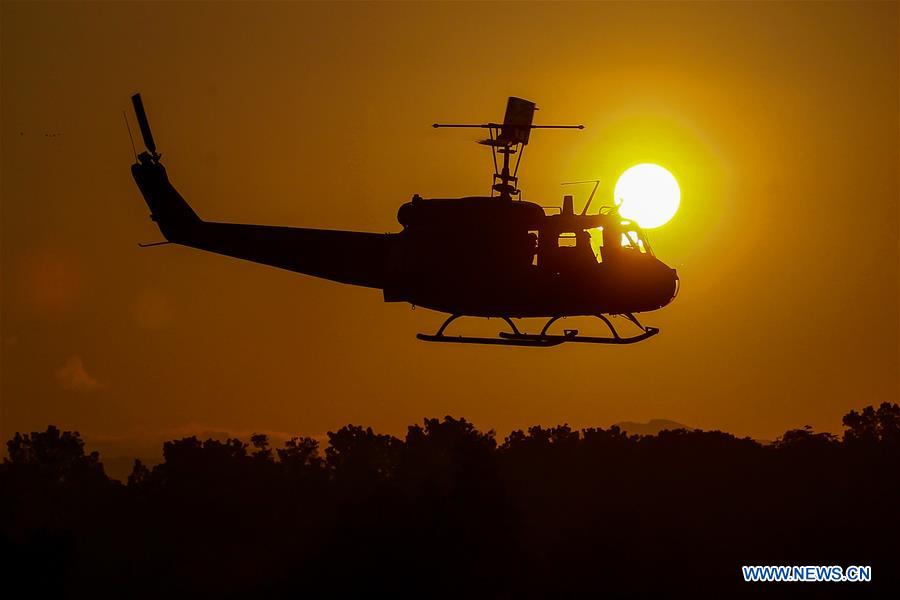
x: 73, y: 376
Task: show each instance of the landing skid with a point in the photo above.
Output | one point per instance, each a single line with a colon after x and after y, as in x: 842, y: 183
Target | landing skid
x: 584, y: 339
x: 508, y: 339
x: 542, y: 339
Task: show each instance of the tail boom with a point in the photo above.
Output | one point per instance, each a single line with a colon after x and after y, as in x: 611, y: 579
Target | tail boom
x: 357, y: 258
x: 344, y: 256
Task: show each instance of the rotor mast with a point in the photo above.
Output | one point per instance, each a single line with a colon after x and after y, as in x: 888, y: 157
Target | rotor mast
x: 507, y: 138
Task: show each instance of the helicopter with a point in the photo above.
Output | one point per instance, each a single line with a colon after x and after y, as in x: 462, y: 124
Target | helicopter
x: 495, y: 256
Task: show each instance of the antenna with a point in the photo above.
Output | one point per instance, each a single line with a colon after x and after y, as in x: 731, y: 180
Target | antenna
x: 130, y: 137
x: 596, y: 183
x: 509, y: 137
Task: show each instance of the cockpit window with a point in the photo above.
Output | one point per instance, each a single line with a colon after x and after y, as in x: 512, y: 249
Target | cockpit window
x: 633, y: 239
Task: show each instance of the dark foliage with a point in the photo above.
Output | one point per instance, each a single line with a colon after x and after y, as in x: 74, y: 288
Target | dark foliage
x: 449, y: 512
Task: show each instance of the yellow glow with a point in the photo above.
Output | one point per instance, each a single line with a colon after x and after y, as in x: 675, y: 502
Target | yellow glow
x: 647, y: 194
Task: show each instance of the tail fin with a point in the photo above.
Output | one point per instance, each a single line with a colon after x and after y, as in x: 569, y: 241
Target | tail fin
x: 144, y: 124
x: 171, y: 212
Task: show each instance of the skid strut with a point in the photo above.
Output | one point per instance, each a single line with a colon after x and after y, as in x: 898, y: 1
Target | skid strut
x: 514, y: 338
x: 571, y: 335
x: 543, y: 339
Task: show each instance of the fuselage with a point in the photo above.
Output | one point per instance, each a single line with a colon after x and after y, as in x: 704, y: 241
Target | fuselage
x: 492, y: 257
x: 479, y: 256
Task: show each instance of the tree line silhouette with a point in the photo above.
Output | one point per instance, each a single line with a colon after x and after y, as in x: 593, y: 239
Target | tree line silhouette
x: 449, y: 511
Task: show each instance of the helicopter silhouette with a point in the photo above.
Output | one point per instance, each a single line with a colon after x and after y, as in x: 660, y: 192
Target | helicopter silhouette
x: 478, y: 256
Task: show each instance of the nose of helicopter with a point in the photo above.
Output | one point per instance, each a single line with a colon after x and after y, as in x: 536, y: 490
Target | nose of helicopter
x: 673, y: 284
x: 650, y: 284
x: 666, y: 284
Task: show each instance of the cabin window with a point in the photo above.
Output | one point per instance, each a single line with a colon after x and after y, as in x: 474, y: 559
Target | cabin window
x: 577, y: 245
x: 596, y: 234
x: 566, y: 240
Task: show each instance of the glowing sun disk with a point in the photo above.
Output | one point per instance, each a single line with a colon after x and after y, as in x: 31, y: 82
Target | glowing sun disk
x: 647, y: 194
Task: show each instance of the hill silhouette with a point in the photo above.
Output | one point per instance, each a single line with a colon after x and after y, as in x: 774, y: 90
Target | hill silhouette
x: 450, y: 511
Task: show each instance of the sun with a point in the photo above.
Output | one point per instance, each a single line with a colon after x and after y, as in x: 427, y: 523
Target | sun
x: 647, y: 194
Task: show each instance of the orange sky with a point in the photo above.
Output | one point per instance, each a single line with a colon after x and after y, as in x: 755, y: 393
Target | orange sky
x: 780, y: 122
